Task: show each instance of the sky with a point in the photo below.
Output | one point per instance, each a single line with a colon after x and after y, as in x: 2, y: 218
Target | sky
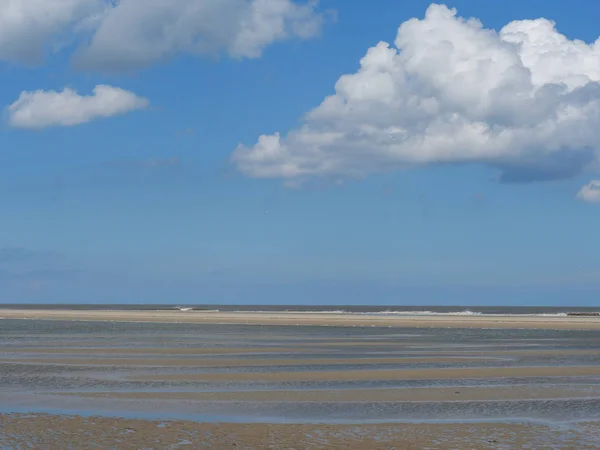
x: 284, y: 151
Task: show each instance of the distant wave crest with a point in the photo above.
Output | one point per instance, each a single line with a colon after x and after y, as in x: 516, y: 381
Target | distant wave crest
x: 383, y: 312
x: 465, y: 312
x: 374, y: 313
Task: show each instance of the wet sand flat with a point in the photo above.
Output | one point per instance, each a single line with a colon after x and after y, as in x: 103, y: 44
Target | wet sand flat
x: 402, y: 374
x: 315, y: 319
x: 409, y: 351
x: 145, y: 384
x: 230, y: 362
x: 56, y: 432
x: 157, y: 350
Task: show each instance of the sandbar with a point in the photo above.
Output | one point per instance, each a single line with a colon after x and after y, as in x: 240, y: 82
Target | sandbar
x: 386, y: 374
x: 314, y: 319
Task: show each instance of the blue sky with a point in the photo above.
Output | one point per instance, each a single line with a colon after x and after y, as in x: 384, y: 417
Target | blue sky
x: 152, y: 204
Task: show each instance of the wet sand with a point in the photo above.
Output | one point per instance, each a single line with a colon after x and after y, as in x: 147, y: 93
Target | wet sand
x: 155, y: 350
x: 207, y: 385
x: 314, y: 319
x: 403, y: 374
x: 49, y: 432
x: 410, y: 351
x: 254, y: 362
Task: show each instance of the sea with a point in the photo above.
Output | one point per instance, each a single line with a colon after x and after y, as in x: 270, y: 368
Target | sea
x: 338, y: 309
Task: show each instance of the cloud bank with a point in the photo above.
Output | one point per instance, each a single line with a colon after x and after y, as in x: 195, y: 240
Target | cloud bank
x: 42, y: 109
x: 116, y: 35
x: 524, y: 100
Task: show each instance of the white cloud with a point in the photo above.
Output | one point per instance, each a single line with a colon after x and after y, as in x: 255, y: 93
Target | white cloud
x: 137, y: 33
x: 30, y: 27
x: 590, y: 193
x: 41, y: 109
x: 119, y: 35
x: 524, y: 100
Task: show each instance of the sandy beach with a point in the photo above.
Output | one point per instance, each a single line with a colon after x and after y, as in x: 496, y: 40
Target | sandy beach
x: 313, y: 319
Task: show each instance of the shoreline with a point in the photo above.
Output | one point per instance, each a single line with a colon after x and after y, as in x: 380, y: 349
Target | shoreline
x: 311, y: 319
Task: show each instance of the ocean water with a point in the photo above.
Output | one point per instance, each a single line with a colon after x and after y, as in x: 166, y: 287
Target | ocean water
x: 350, y: 309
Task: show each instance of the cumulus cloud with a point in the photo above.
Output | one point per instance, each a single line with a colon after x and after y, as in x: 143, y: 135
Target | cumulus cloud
x: 136, y: 33
x: 590, y: 193
x: 41, y: 109
x: 524, y: 100
x: 115, y: 35
x: 28, y: 27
